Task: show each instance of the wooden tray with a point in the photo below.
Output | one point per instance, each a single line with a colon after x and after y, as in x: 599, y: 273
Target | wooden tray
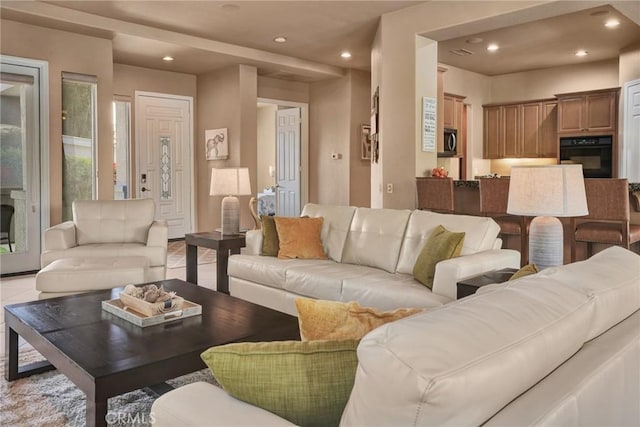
x: 117, y: 308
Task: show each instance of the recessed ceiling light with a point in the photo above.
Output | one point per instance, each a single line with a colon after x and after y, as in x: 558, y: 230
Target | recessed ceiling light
x: 582, y: 52
x: 612, y: 23
x: 345, y: 55
x: 167, y: 58
x: 493, y: 47
x: 280, y: 39
x: 474, y: 40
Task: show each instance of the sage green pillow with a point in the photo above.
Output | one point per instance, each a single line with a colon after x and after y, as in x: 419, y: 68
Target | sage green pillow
x: 525, y: 271
x: 442, y: 244
x: 270, y: 241
x: 305, y: 382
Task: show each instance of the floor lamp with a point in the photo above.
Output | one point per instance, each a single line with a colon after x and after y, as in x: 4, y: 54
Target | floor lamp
x: 230, y: 182
x: 547, y: 192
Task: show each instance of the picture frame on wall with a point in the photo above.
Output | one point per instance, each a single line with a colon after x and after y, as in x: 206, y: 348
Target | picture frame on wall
x: 216, y: 144
x: 365, y: 141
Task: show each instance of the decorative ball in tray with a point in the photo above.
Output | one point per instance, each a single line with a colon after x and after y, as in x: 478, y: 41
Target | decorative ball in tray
x: 150, y: 299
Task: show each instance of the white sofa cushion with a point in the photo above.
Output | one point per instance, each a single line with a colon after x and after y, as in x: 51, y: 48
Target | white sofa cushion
x: 335, y: 227
x: 266, y: 270
x: 321, y: 280
x: 612, y: 276
x: 375, y: 238
x: 157, y: 255
x: 113, y: 221
x: 480, y: 234
x: 461, y: 363
x: 388, y: 291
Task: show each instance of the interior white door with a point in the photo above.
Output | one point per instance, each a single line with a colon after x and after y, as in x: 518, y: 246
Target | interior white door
x: 20, y: 146
x: 288, y: 162
x: 163, y: 147
x: 630, y: 156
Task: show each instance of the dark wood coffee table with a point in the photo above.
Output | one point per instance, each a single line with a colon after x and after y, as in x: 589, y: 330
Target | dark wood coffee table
x: 106, y: 356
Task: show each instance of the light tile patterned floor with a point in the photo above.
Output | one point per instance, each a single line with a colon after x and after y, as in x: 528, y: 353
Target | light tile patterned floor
x: 18, y: 289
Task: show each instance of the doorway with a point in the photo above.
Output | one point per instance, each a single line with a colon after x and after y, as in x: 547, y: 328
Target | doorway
x: 630, y: 147
x: 282, y: 170
x: 24, y: 158
x: 164, y: 157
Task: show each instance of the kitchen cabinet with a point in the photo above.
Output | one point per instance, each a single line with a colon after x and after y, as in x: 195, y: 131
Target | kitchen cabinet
x: 518, y: 130
x: 452, y: 111
x: 588, y: 113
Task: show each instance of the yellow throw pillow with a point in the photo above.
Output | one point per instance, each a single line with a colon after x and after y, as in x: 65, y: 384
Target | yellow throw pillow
x: 300, y: 237
x: 525, y: 271
x: 333, y: 320
x: 441, y: 245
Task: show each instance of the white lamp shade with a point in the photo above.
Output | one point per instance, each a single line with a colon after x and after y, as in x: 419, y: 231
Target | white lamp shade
x: 230, y: 182
x: 553, y: 190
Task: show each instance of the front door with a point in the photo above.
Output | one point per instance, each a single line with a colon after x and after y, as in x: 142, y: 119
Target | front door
x: 288, y: 162
x: 163, y: 147
x: 20, y: 148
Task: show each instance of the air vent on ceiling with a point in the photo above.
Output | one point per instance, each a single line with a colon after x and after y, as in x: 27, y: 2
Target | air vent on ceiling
x: 461, y: 52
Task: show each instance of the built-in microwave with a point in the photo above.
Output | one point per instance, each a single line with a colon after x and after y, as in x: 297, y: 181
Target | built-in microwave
x: 450, y: 143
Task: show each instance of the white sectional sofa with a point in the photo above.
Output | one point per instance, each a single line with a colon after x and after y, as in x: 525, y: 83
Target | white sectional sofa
x: 371, y: 257
x: 561, y: 347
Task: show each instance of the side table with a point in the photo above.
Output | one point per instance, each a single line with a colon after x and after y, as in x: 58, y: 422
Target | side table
x: 224, y: 244
x: 470, y: 285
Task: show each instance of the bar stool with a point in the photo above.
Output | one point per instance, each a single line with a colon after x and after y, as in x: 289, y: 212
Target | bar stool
x: 435, y: 194
x: 608, y: 219
x: 494, y: 197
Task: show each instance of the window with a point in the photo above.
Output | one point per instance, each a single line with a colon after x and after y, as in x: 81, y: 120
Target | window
x: 78, y: 140
x: 121, y: 149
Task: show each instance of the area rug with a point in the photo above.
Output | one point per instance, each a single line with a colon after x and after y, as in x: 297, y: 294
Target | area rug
x: 177, y: 255
x: 50, y: 399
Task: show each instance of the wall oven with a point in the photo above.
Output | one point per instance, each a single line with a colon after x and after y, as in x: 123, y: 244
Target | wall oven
x: 594, y: 153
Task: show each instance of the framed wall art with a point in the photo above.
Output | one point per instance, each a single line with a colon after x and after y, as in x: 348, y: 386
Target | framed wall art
x: 216, y: 144
x: 365, y: 141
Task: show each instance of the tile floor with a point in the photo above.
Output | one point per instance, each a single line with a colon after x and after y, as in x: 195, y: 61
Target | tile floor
x: 18, y: 289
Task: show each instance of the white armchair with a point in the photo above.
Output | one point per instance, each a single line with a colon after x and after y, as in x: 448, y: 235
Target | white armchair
x: 108, y: 228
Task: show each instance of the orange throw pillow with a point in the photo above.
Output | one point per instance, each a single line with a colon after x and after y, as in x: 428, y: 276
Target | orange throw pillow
x: 300, y: 237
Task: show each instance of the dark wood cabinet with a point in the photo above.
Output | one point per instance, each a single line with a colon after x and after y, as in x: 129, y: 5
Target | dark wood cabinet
x: 588, y: 113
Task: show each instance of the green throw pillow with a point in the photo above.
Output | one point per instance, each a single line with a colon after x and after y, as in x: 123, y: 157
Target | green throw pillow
x: 525, y: 271
x: 270, y: 242
x: 305, y: 382
x: 442, y: 244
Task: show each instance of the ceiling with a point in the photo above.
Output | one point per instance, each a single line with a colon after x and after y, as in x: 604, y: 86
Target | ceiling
x: 540, y: 44
x: 206, y: 35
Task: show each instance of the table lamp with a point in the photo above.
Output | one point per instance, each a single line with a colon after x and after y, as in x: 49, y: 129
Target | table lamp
x: 230, y: 182
x: 547, y: 192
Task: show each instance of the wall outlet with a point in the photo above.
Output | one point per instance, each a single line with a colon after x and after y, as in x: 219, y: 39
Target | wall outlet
x: 389, y: 188
x: 336, y: 156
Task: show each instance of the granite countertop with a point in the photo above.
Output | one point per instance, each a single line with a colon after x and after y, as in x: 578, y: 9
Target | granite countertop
x: 472, y: 183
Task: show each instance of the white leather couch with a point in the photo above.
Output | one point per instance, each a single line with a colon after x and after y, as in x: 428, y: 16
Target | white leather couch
x: 107, y: 229
x: 371, y: 257
x: 561, y: 347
